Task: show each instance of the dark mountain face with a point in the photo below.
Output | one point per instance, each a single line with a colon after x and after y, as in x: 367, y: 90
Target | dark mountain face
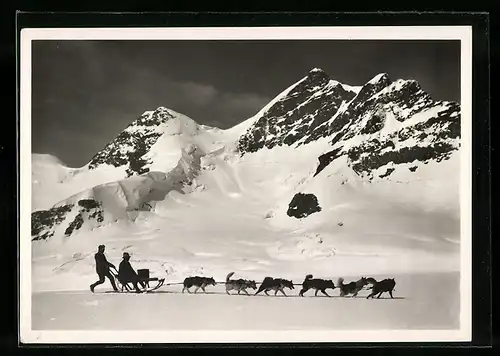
x: 386, y: 122
x: 339, y: 126
x: 433, y: 139
x: 398, y: 124
x: 129, y: 147
x: 309, y: 104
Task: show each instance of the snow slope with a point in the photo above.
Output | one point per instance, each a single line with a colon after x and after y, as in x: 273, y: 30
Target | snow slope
x: 48, y: 175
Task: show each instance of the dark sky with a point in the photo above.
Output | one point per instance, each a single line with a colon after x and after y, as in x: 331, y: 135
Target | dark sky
x: 86, y: 92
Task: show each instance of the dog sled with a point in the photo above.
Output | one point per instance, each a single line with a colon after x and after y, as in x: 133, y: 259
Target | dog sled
x: 143, y: 282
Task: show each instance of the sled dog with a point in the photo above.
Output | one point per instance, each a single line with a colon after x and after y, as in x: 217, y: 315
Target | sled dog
x: 316, y: 283
x: 276, y: 284
x: 379, y: 287
x: 198, y: 282
x: 239, y: 284
x: 351, y: 288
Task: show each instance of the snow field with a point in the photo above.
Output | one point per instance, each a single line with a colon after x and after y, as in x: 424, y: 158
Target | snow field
x: 422, y: 301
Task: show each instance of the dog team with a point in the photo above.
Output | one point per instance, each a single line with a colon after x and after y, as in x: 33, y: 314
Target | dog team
x: 279, y: 284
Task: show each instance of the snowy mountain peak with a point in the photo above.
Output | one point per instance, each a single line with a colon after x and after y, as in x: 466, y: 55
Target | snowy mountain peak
x: 395, y: 120
x: 381, y: 77
x: 47, y: 159
x: 373, y: 86
x: 308, y: 104
x: 317, y: 77
x: 129, y: 148
x: 320, y: 75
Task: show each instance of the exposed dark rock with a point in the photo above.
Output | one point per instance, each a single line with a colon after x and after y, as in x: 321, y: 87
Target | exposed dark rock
x: 303, y: 205
x: 413, y: 169
x: 74, y: 225
x: 89, y: 204
x: 371, y: 88
x: 403, y: 96
x: 438, y: 152
x: 97, y: 215
x: 433, y: 135
x: 374, y: 124
x: 305, y: 108
x: 387, y: 173
x: 129, y: 147
x: 340, y: 126
x: 43, y: 221
x: 327, y: 158
x: 136, y: 162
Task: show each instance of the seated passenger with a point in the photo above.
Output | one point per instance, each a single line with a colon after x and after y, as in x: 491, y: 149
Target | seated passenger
x: 127, y: 274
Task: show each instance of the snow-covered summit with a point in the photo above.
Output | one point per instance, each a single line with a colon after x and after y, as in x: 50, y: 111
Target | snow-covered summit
x: 375, y: 119
x: 305, y: 106
x: 381, y: 77
x: 131, y: 146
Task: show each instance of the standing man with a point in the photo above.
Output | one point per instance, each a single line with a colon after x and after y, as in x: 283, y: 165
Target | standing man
x: 102, y: 268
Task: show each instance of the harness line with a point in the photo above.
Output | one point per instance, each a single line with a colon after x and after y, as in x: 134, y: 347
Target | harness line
x: 217, y: 282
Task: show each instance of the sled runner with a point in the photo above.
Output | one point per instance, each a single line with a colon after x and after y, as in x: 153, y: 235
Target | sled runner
x: 143, y: 282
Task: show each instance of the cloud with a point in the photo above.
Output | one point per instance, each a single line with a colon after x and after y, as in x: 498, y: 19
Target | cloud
x: 145, y: 89
x: 233, y: 108
x: 246, y: 101
x: 198, y: 94
x: 210, y: 106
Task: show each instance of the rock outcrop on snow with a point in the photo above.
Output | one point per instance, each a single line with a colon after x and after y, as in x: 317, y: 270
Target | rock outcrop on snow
x: 303, y: 205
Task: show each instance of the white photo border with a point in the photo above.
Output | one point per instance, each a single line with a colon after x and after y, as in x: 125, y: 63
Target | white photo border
x: 461, y: 33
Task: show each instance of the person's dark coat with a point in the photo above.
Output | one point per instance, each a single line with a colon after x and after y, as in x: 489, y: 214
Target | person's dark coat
x: 126, y: 272
x: 102, y: 268
x: 101, y: 264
